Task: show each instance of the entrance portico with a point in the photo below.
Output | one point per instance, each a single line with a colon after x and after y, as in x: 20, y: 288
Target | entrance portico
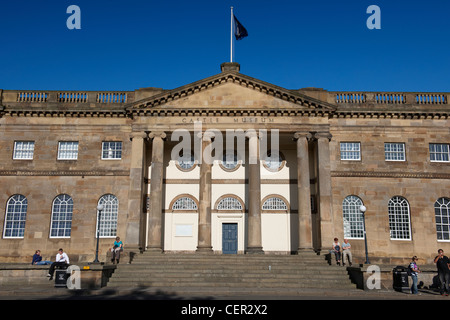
x: 288, y: 183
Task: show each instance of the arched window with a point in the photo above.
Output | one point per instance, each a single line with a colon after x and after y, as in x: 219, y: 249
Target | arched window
x: 16, y: 214
x: 274, y: 204
x: 61, y: 224
x: 353, y: 218
x: 229, y: 203
x: 273, y: 162
x: 442, y: 214
x: 399, y: 220
x: 184, y: 203
x: 109, y: 216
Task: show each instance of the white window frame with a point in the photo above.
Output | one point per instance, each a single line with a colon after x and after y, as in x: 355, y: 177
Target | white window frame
x: 399, y: 219
x: 272, y: 164
x: 23, y: 150
x: 229, y: 203
x: 352, y: 218
x: 68, y: 150
x: 110, y: 152
x: 186, y: 162
x: 61, y: 216
x: 350, y: 151
x: 274, y: 204
x: 109, y: 218
x: 184, y: 203
x: 394, y: 151
x: 441, y: 153
x: 442, y: 218
x: 15, y: 217
x: 228, y: 165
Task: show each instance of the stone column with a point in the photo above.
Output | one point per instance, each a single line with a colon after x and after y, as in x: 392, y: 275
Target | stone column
x: 303, y: 192
x: 204, y: 216
x: 154, y: 235
x: 325, y: 198
x: 134, y: 236
x: 254, y: 244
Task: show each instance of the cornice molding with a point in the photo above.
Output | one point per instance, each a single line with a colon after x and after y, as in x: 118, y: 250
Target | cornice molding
x: 395, y: 175
x: 63, y: 173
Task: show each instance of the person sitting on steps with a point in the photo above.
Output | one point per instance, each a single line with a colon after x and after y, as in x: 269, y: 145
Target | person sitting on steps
x: 116, y: 250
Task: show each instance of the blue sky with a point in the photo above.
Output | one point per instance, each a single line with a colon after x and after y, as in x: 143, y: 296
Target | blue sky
x: 126, y: 45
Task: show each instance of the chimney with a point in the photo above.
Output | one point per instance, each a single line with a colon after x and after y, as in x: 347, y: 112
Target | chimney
x: 230, y: 66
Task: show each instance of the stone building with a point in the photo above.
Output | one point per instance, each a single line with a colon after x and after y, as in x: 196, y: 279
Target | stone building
x: 62, y: 153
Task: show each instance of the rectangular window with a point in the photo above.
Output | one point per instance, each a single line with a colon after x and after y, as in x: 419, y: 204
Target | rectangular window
x: 23, y: 150
x: 439, y: 152
x: 394, y: 152
x: 112, y: 150
x: 68, y: 150
x: 351, y: 151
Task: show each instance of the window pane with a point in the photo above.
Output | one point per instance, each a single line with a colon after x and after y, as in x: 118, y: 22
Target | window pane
x: 16, y: 212
x: 112, y: 150
x: 442, y: 215
x: 350, y: 150
x: 68, y: 150
x: 23, y: 150
x: 109, y: 216
x: 353, y: 218
x: 61, y: 224
x: 399, y: 219
x: 184, y: 203
x: 229, y: 203
x: 274, y: 204
x: 439, y: 152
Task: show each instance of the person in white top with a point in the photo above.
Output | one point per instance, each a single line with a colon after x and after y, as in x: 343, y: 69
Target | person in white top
x: 62, y: 260
x: 336, y: 250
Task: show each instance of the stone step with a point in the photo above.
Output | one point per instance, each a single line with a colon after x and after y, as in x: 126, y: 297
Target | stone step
x: 217, y: 275
x: 211, y: 285
x: 240, y: 271
x: 223, y: 291
x: 206, y: 273
x: 206, y: 265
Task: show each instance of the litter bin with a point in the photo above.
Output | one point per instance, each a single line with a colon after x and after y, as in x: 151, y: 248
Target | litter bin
x: 401, y: 282
x: 61, y: 277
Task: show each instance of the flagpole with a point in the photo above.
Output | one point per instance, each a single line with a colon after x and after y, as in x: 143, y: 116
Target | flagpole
x: 231, y: 37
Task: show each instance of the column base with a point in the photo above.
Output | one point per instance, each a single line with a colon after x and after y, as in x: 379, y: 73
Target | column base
x: 254, y: 250
x: 154, y: 250
x: 305, y: 250
x: 204, y: 250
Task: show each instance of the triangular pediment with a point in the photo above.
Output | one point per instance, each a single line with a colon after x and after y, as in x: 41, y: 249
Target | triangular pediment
x: 230, y: 92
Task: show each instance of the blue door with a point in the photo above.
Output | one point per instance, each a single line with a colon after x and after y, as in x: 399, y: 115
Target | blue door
x: 229, y: 238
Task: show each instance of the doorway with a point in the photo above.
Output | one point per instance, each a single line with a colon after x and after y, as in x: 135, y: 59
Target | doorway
x: 229, y: 238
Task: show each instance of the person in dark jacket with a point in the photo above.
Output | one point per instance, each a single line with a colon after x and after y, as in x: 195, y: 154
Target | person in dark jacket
x: 443, y: 266
x: 37, y: 259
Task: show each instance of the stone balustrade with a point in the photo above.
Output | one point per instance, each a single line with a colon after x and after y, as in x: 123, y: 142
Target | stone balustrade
x: 25, y: 97
x: 396, y: 98
x: 124, y: 97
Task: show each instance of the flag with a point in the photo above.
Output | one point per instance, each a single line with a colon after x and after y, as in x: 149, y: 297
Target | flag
x: 239, y: 31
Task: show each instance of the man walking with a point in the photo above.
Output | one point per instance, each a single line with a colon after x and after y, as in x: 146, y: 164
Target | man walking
x: 443, y: 266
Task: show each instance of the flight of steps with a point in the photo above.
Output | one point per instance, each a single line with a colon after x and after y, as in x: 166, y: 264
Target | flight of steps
x: 229, y: 274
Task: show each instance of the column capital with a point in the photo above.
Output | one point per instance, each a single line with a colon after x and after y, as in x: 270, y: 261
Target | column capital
x: 323, y: 135
x: 252, y: 134
x: 157, y: 134
x: 303, y: 134
x: 138, y: 134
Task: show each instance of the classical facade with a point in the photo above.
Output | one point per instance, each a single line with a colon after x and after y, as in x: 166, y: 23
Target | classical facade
x: 63, y: 153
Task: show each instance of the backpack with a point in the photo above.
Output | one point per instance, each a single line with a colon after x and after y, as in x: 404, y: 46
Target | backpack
x: 409, y: 270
